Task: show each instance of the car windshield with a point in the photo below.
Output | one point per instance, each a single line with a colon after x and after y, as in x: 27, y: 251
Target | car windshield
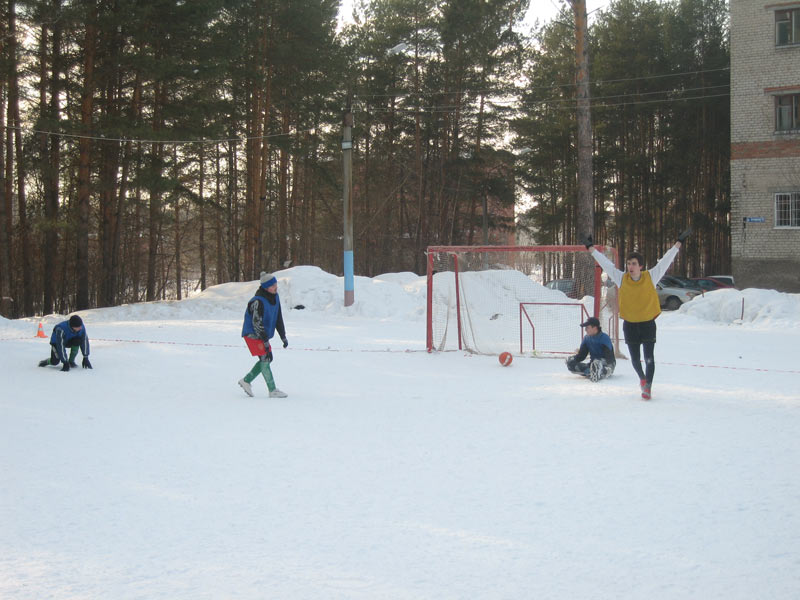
x: 706, y: 284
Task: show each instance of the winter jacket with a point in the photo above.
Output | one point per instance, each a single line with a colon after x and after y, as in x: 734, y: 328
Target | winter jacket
x: 63, y: 337
x: 597, y: 346
x: 263, y: 316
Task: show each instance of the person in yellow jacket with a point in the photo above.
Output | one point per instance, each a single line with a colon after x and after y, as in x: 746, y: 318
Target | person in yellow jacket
x: 639, y: 305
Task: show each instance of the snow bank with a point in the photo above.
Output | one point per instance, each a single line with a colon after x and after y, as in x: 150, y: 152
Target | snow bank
x: 757, y: 307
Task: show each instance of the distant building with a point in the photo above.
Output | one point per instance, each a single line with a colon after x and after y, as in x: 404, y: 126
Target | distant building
x: 765, y: 144
x: 503, y: 231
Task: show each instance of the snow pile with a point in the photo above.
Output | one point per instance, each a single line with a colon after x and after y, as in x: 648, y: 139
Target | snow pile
x: 757, y: 307
x: 391, y: 295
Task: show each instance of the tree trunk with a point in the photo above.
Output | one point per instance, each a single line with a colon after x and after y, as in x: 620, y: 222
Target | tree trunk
x: 585, y: 206
x: 218, y: 217
x: 50, y: 147
x: 176, y: 196
x: 154, y: 226
x: 283, y: 195
x: 84, y: 156
x: 15, y: 123
x: 202, y: 215
x: 5, y: 191
x: 5, y: 229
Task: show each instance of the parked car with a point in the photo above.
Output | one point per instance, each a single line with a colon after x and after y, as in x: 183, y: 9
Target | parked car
x: 567, y: 286
x: 682, y: 282
x: 710, y: 283
x: 672, y: 297
x: 724, y: 279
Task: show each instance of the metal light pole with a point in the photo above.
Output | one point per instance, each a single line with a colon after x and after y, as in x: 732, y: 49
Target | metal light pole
x: 347, y: 180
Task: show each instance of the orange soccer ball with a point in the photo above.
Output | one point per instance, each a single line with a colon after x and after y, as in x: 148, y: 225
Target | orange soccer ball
x: 505, y: 358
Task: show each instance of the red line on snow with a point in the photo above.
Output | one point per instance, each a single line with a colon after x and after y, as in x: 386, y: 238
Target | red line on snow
x: 206, y: 345
x: 407, y: 351
x: 725, y: 367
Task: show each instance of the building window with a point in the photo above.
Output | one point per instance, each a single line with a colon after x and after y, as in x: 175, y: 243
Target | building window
x: 787, y: 112
x: 787, y: 27
x: 787, y: 209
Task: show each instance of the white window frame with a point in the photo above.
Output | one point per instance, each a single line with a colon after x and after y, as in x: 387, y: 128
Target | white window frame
x: 792, y: 110
x: 788, y: 215
x: 792, y: 18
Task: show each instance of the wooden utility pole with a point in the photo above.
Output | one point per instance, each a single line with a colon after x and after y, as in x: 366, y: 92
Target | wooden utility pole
x: 585, y: 208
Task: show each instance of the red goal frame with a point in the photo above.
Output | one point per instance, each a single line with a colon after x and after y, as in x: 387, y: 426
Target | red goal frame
x: 612, y: 325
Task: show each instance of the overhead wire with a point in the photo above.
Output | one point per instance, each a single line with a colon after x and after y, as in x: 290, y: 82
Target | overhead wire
x: 104, y: 138
x: 557, y: 85
x: 557, y: 103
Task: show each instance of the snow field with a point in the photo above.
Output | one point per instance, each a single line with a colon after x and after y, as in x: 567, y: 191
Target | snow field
x: 393, y: 473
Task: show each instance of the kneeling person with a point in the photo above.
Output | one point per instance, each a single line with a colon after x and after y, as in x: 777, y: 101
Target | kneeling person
x: 68, y: 334
x: 597, y: 345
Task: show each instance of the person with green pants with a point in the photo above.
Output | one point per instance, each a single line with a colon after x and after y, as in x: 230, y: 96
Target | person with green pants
x: 262, y: 319
x: 68, y: 334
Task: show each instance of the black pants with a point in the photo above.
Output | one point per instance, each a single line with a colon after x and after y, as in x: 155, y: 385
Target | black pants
x: 642, y: 335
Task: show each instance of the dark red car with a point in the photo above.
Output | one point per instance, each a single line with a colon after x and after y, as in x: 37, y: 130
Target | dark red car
x: 709, y: 284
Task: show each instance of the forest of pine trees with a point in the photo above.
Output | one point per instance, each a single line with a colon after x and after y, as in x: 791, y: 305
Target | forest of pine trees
x: 157, y: 147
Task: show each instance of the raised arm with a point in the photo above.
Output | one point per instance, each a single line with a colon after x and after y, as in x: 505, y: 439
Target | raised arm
x: 657, y: 272
x: 605, y: 263
x: 609, y: 267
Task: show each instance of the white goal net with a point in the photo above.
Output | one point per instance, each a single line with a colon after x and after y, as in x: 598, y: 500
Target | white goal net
x: 518, y: 299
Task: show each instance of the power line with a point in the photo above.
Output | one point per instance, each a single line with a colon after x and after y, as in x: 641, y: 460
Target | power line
x: 555, y: 103
x: 102, y: 138
x: 601, y: 81
x: 559, y: 103
x: 603, y: 105
x: 558, y: 85
x: 637, y: 95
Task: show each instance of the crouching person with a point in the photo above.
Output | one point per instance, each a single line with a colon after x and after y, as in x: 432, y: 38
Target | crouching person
x: 68, y: 334
x: 598, y: 347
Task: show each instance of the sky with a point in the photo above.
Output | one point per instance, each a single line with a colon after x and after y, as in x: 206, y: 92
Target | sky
x: 392, y: 473
x: 544, y: 10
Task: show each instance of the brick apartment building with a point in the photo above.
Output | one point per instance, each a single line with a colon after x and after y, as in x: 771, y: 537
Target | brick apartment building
x: 765, y: 144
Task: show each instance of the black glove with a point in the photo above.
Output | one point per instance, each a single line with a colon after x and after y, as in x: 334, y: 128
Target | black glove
x: 269, y: 355
x: 44, y: 363
x: 86, y: 364
x: 588, y: 242
x: 65, y: 368
x: 285, y: 342
x: 685, y: 234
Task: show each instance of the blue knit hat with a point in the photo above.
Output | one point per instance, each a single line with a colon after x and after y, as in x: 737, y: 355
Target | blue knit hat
x: 267, y: 280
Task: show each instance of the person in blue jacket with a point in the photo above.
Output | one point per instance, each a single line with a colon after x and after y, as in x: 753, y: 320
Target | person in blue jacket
x: 262, y: 319
x: 597, y: 345
x: 68, y: 334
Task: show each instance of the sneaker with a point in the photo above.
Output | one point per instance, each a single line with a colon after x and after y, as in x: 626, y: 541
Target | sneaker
x: 596, y: 371
x: 72, y: 365
x: 276, y: 393
x: 642, y: 384
x: 646, y: 392
x: 246, y: 387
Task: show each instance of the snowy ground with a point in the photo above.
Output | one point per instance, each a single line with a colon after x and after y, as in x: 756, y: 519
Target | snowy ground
x: 392, y: 473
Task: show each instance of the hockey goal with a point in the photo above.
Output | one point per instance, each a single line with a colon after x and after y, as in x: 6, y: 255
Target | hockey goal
x: 519, y: 299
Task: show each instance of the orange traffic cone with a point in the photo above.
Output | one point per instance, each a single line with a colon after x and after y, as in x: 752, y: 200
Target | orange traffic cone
x: 40, y: 333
